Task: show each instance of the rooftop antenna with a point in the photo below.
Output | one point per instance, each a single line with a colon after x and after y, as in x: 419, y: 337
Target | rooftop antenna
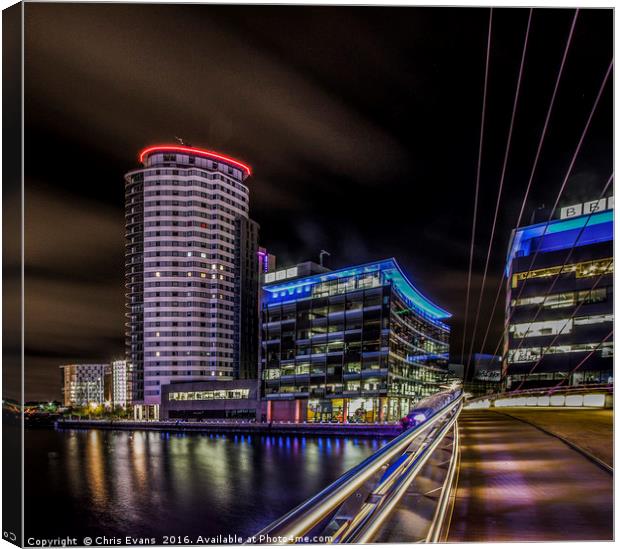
x: 182, y: 141
x: 323, y: 252
x: 533, y: 217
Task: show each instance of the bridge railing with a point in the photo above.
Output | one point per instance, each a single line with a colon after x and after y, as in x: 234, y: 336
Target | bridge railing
x: 352, y: 509
x: 593, y: 395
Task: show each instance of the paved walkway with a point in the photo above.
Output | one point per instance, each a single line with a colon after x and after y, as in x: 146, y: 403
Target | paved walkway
x: 517, y: 483
x: 590, y: 429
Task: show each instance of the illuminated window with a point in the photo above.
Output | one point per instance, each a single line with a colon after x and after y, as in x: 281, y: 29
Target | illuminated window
x: 271, y: 373
x: 228, y: 394
x: 544, y: 328
x: 524, y: 301
x: 596, y: 319
x: 567, y: 299
x: 581, y: 270
x: 532, y: 354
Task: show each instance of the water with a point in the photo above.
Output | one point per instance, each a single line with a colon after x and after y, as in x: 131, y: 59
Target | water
x: 149, y: 484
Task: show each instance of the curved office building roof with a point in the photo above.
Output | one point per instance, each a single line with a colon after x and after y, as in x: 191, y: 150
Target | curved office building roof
x: 389, y: 268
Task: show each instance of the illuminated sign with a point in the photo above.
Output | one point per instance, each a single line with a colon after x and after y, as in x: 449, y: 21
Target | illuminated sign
x: 587, y: 208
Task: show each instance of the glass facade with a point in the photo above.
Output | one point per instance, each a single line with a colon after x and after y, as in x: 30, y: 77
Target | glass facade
x: 559, y: 306
x: 234, y: 394
x: 352, y: 345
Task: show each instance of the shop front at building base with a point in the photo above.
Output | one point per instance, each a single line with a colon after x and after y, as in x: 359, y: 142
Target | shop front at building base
x: 204, y: 400
x: 145, y: 412
x: 353, y: 409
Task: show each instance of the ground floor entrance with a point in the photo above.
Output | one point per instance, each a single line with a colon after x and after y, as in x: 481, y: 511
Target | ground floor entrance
x: 340, y: 410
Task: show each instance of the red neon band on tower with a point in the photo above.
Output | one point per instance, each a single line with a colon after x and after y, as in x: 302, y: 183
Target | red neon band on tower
x: 193, y: 150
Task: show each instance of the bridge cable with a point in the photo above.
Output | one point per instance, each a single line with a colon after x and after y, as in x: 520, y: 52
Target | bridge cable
x: 564, y: 182
x: 534, y: 166
x: 500, y: 189
x: 602, y: 194
x: 556, y: 278
x: 560, y: 332
x: 478, y: 169
x: 585, y: 359
x: 572, y: 163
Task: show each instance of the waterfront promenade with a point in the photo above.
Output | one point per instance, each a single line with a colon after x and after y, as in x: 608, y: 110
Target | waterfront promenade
x: 520, y: 483
x: 384, y: 430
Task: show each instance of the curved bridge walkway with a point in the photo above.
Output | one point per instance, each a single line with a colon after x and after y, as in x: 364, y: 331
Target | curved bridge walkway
x: 518, y: 483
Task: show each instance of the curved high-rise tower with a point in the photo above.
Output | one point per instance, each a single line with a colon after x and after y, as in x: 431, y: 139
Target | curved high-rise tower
x: 191, y: 270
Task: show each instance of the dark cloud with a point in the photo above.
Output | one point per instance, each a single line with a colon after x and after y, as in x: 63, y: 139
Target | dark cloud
x: 70, y: 236
x: 227, y: 92
x: 74, y: 296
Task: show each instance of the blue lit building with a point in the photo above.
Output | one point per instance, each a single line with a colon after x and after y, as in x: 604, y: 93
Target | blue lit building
x: 559, y: 305
x: 359, y: 344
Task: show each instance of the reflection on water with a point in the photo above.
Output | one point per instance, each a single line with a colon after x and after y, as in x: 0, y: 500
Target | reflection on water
x: 117, y: 483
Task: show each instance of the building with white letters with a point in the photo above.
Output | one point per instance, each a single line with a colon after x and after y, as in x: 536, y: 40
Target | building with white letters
x: 559, y: 306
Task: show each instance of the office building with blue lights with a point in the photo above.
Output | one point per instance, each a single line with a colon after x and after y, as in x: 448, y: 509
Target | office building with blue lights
x: 359, y: 344
x: 559, y: 306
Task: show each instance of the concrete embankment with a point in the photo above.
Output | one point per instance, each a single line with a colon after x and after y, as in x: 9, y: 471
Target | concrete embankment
x: 371, y: 430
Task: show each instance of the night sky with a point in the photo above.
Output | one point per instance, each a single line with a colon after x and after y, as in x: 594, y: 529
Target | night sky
x: 361, y: 125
